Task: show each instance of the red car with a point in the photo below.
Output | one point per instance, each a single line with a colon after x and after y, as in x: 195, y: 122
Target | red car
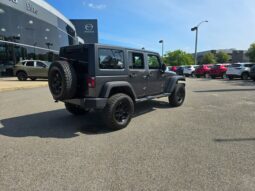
x: 203, y: 70
x: 219, y: 70
x: 174, y: 68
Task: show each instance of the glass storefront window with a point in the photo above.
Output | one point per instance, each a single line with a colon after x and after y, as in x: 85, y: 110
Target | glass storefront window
x: 32, y: 39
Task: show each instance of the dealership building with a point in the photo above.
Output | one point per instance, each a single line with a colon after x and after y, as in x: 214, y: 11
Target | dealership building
x: 34, y: 30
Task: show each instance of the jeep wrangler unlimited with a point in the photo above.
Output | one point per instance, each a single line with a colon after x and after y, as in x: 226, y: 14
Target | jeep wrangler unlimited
x: 111, y: 79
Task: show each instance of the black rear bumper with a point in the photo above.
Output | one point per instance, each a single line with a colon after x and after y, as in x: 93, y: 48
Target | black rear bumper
x: 89, y: 103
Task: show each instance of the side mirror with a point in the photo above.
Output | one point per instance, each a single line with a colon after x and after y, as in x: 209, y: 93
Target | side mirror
x: 163, y: 68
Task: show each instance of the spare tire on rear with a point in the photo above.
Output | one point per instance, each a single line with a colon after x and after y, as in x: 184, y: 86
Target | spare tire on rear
x: 62, y: 80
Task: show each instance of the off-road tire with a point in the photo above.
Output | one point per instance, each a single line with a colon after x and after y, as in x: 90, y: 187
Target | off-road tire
x: 177, y: 98
x: 62, y: 80
x: 75, y: 109
x: 245, y: 76
x: 22, y: 76
x: 111, y: 108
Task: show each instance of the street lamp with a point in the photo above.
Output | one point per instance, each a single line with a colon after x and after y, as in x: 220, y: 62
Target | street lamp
x: 196, y: 29
x: 162, y: 42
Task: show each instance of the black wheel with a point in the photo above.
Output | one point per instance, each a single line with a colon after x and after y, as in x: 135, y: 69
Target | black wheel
x: 245, y: 76
x: 118, y: 111
x: 22, y: 76
x: 213, y: 77
x: 33, y: 79
x: 62, y: 80
x: 178, y: 96
x: 198, y: 76
x: 253, y: 79
x: 75, y: 109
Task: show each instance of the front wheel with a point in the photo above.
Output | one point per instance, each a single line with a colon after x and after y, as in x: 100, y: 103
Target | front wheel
x: 75, y: 109
x: 177, y: 98
x: 118, y: 111
x: 22, y: 76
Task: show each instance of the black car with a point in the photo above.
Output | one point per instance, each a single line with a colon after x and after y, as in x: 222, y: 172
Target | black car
x: 111, y: 79
x: 179, y: 70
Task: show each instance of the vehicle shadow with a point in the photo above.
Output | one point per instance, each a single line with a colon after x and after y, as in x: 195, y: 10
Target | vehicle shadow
x: 223, y: 90
x: 234, y: 140
x: 61, y: 124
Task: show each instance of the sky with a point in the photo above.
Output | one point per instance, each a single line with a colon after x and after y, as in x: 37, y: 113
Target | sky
x: 142, y: 23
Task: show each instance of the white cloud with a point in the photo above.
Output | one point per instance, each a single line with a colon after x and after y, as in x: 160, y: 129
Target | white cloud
x: 95, y: 6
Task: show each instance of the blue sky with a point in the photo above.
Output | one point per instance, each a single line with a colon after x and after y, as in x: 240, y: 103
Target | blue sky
x: 142, y: 23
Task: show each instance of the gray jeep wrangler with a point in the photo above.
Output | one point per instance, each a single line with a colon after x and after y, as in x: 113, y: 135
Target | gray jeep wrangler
x: 111, y: 79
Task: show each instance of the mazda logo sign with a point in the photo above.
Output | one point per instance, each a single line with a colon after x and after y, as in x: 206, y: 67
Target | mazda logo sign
x: 89, y: 27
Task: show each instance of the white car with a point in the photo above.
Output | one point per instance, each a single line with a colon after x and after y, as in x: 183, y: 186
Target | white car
x: 189, y: 70
x: 239, y: 70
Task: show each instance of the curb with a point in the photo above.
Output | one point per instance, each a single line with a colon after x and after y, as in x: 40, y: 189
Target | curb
x: 22, y: 88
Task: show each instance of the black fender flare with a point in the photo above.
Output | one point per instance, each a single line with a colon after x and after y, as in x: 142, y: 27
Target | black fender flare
x: 106, y: 90
x: 171, y: 83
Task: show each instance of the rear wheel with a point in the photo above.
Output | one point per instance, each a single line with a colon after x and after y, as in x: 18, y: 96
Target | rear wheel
x: 177, y: 98
x: 198, y: 76
x: 22, y: 76
x: 245, y: 76
x: 213, y: 77
x: 75, y: 109
x: 118, y: 111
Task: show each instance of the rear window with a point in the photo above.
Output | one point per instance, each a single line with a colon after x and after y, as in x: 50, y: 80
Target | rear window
x: 30, y: 63
x: 248, y: 65
x: 111, y: 58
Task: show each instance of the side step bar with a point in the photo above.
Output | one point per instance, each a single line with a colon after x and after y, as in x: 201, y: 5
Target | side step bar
x: 152, y: 97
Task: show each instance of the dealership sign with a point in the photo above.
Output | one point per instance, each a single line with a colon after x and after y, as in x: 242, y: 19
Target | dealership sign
x: 86, y: 29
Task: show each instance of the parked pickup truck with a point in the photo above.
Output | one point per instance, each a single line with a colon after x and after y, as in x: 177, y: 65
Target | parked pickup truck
x: 112, y: 80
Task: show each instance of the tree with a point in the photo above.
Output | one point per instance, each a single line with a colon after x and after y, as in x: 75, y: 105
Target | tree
x: 209, y: 58
x: 178, y: 58
x: 222, y: 57
x: 251, y: 52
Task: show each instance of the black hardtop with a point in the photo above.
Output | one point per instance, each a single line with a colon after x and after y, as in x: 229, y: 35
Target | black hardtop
x: 82, y: 47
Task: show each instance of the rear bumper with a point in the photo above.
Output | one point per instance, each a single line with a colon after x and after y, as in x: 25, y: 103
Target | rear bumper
x: 89, y: 103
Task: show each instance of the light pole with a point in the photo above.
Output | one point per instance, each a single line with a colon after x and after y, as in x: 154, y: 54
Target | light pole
x: 196, y: 29
x: 162, y: 42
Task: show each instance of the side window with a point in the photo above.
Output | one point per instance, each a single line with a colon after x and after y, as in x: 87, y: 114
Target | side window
x: 153, y: 62
x: 111, y: 59
x: 40, y: 65
x: 30, y: 63
x: 136, y: 60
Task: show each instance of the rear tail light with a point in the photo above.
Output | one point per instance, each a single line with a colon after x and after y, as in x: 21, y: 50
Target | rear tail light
x: 91, y: 82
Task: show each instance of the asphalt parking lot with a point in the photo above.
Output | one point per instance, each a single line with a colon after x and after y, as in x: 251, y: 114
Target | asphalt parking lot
x: 207, y: 144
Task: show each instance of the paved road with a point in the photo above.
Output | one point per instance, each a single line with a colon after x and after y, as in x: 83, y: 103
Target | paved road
x: 207, y: 144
